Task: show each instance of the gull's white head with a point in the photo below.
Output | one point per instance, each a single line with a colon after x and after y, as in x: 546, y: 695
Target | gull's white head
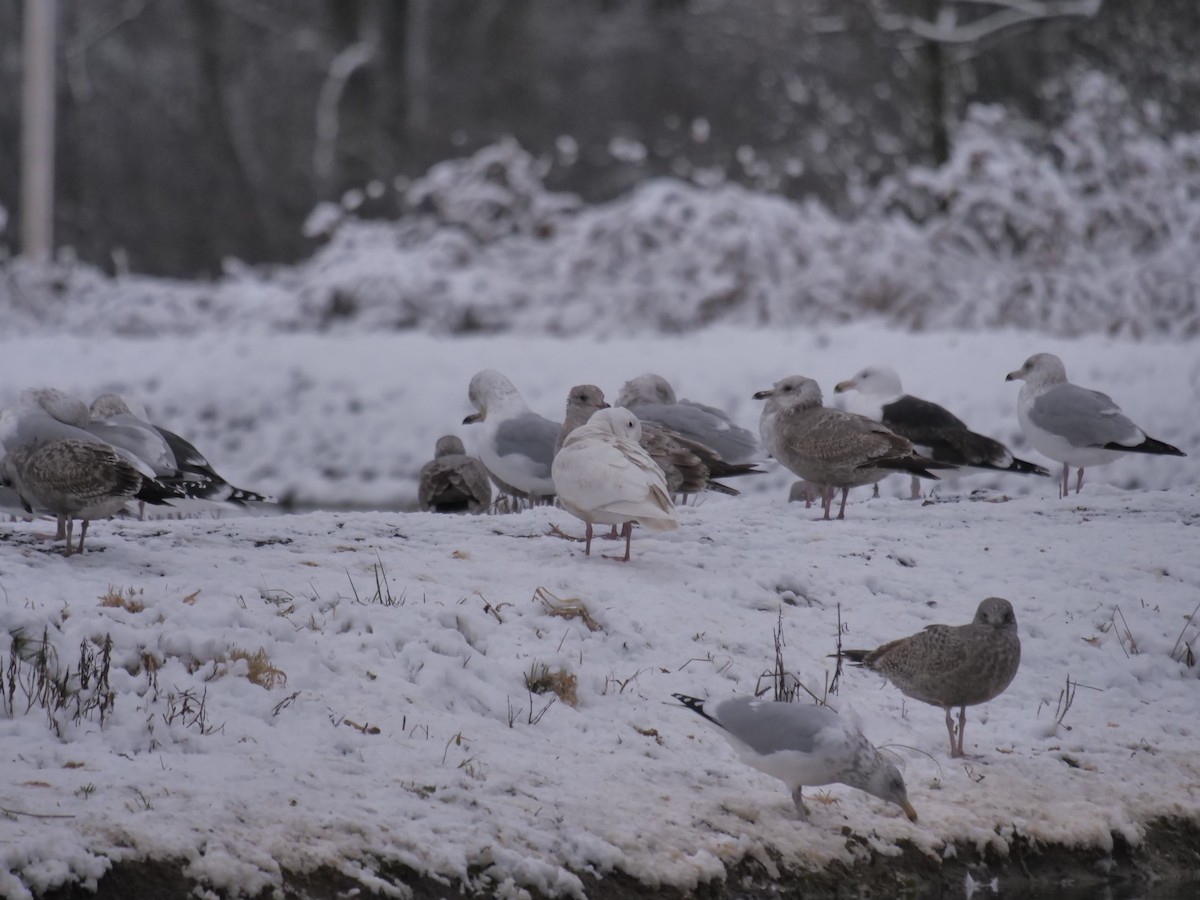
x: 490, y: 388
x: 59, y: 404
x: 617, y: 420
x: 873, y: 381
x: 1040, y: 369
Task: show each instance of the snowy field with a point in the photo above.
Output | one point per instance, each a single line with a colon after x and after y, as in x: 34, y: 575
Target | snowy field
x: 349, y: 688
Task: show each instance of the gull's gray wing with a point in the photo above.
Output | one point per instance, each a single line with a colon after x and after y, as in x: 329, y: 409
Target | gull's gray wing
x: 528, y: 435
x: 1082, y: 417
x: 768, y: 727
x: 734, y: 443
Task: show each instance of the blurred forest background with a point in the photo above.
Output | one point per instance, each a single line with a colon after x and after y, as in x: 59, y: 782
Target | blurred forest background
x: 191, y: 131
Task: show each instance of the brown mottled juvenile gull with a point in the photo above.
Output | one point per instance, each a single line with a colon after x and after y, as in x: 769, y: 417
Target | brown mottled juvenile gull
x: 453, y: 481
x: 1073, y: 425
x: 687, y: 465
x: 952, y: 665
x: 604, y: 477
x: 803, y: 745
x: 831, y: 447
x: 517, y: 446
x: 934, y: 430
x: 71, y: 479
x: 651, y: 398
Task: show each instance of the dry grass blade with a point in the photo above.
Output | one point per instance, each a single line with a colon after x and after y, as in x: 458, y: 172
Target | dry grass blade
x: 568, y: 608
x: 1182, y: 652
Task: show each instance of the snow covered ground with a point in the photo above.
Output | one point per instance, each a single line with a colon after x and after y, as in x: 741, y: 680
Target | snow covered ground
x: 387, y: 718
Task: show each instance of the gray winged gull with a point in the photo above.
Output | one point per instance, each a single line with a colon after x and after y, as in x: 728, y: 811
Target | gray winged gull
x: 71, y: 479
x: 934, y: 430
x: 651, y: 398
x: 604, y: 477
x: 453, y: 481
x: 42, y: 415
x: 803, y: 745
x: 1073, y: 425
x: 832, y: 447
x: 688, y: 465
x: 517, y: 446
x: 952, y: 665
x: 182, y: 466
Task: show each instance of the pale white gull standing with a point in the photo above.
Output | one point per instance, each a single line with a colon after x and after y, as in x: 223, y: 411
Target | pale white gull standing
x: 831, y: 447
x: 651, y: 398
x: 604, y: 477
x: 934, y: 430
x: 453, y: 481
x: 952, y: 665
x: 803, y: 745
x: 1073, y: 425
x: 517, y: 446
x: 688, y: 465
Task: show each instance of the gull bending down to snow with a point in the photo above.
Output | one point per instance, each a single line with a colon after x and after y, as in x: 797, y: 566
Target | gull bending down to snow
x: 651, y: 398
x: 604, y: 477
x: 952, y: 665
x: 517, y: 447
x: 803, y: 745
x: 1073, y: 425
x: 830, y: 447
x: 453, y: 481
x: 933, y: 429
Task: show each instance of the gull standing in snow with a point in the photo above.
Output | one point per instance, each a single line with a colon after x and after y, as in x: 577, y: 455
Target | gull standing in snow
x: 181, y: 465
x: 1073, y: 425
x: 952, y: 665
x: 453, y: 481
x: 604, y: 477
x: 831, y: 447
x: 72, y: 479
x: 933, y: 429
x: 651, y: 398
x: 688, y: 465
x: 42, y: 415
x: 517, y: 447
x: 803, y: 745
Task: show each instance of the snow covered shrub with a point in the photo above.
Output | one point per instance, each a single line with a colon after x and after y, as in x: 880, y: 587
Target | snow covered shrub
x: 496, y: 193
x: 1087, y: 226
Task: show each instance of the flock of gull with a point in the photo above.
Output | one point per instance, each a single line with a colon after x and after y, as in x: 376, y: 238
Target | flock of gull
x: 626, y: 464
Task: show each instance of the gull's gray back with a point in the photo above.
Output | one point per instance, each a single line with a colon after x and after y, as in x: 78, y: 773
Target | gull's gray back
x: 528, y: 435
x: 768, y: 727
x: 1085, y: 418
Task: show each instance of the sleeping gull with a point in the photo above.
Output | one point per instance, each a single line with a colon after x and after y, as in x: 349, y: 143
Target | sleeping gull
x: 831, y: 447
x: 803, y: 745
x: 74, y: 479
x: 182, y: 465
x: 952, y: 665
x: 651, y: 398
x: 1073, y: 425
x: 688, y: 465
x: 603, y: 476
x: 934, y: 430
x: 453, y: 481
x: 517, y: 446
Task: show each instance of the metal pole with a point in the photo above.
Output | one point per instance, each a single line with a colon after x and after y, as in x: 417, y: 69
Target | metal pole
x: 37, y: 131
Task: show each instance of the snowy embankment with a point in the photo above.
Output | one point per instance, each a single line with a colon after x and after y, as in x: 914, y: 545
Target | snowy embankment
x: 350, y: 689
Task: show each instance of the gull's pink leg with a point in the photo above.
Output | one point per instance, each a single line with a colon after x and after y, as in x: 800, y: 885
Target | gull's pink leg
x: 842, y: 508
x: 954, y: 752
x: 1066, y: 480
x: 587, y: 547
x: 1079, y: 480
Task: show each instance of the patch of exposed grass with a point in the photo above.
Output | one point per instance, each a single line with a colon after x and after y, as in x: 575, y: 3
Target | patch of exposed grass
x: 540, y: 680
x: 127, y: 600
